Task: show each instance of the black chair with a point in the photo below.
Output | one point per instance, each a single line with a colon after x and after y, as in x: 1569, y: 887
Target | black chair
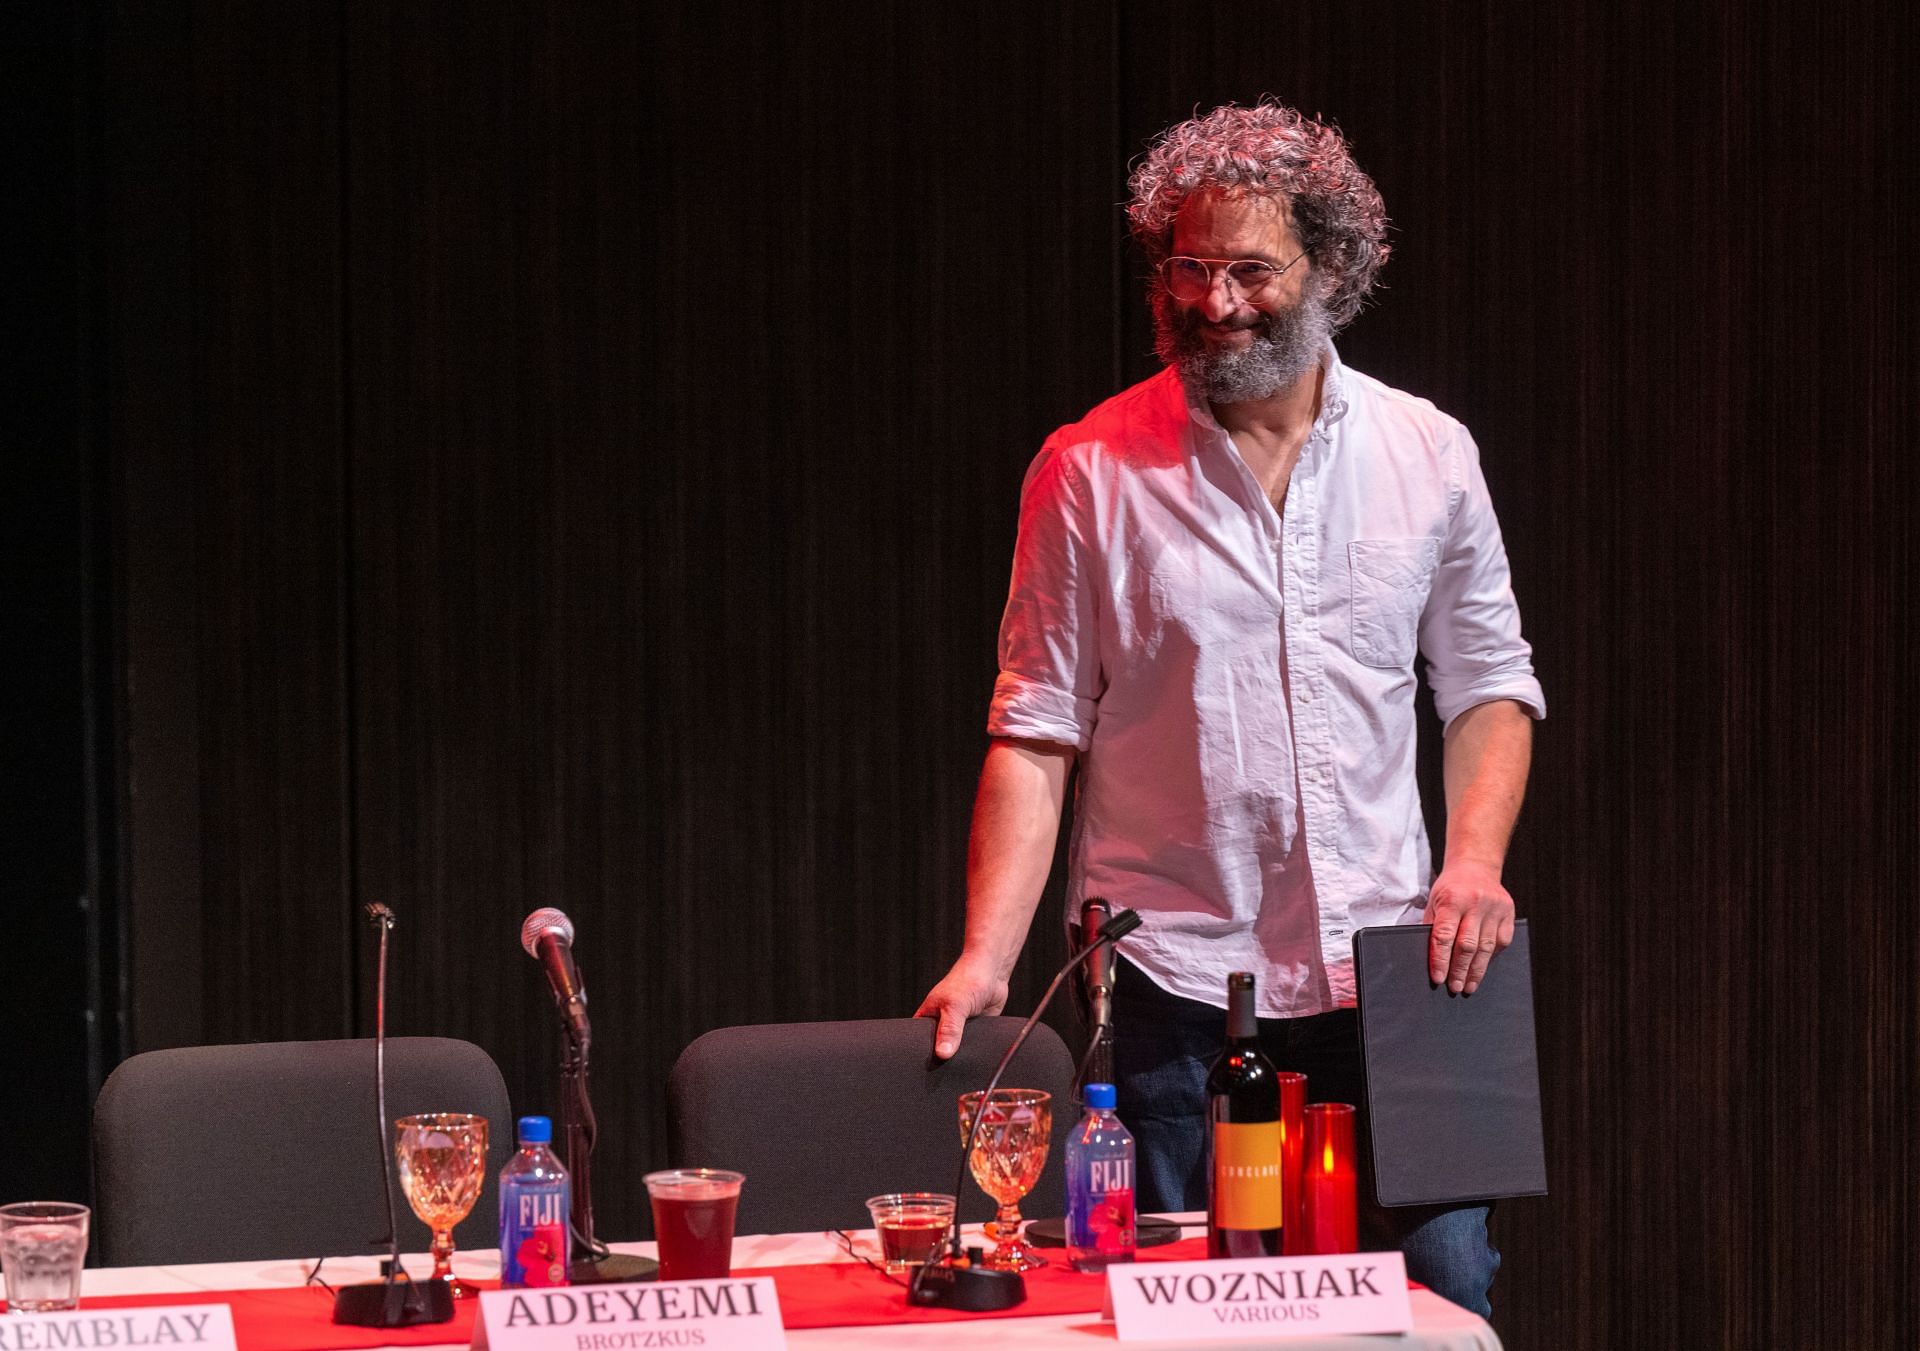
x: 221, y: 1153
x: 820, y: 1116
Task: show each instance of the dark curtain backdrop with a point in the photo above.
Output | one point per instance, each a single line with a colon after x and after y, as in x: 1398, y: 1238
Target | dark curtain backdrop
x: 568, y: 455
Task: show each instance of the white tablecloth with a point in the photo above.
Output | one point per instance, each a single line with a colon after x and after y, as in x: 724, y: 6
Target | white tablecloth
x: 1438, y: 1325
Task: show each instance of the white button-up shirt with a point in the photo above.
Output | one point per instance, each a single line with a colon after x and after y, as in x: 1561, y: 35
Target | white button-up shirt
x: 1240, y: 682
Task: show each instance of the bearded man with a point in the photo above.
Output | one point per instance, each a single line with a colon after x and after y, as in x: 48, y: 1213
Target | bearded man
x: 1223, y: 577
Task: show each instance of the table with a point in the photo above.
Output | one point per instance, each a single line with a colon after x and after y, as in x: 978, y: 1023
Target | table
x: 1438, y: 1324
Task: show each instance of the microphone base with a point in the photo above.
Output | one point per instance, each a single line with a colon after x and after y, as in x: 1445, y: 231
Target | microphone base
x: 968, y: 1289
x: 393, y: 1304
x: 613, y: 1269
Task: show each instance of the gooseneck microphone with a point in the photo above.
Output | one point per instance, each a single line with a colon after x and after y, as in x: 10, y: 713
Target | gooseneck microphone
x: 974, y: 1288
x: 1096, y: 1066
x: 397, y: 1301
x: 547, y: 935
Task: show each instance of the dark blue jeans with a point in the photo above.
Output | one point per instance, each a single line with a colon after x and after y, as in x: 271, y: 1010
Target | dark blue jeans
x: 1163, y: 1046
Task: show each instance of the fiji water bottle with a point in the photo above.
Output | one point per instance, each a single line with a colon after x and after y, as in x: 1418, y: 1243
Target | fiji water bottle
x: 1099, y: 1186
x: 534, y: 1200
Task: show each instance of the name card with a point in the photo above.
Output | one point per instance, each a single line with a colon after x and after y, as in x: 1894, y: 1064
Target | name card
x: 1260, y: 1298
x: 719, y: 1315
x: 204, y: 1327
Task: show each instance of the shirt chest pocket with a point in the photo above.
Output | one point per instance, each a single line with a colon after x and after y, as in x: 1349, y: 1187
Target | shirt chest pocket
x: 1390, y: 579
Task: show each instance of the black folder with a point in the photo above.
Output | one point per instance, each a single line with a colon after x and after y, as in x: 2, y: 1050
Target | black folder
x: 1453, y: 1081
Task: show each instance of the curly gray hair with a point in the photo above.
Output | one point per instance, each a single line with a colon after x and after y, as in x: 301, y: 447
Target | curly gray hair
x: 1269, y: 150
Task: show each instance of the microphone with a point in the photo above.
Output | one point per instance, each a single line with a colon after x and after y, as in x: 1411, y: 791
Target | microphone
x: 1093, y: 915
x: 396, y: 1301
x: 1096, y: 1066
x: 547, y: 935
x: 974, y: 1288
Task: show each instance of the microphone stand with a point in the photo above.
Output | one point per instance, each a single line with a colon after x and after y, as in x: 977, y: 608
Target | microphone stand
x: 963, y: 1283
x: 392, y: 1302
x: 597, y: 1265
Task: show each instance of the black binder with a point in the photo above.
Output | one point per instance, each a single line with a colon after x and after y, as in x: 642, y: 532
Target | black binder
x: 1453, y: 1081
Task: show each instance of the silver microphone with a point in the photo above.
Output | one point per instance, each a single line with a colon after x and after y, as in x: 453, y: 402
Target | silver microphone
x: 547, y: 935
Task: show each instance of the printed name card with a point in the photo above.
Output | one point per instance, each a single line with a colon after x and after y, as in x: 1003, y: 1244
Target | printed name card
x: 1260, y: 1297
x: 719, y: 1315
x: 202, y: 1327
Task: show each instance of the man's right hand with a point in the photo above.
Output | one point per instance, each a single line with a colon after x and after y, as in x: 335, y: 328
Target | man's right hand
x: 1016, y: 822
x: 967, y: 991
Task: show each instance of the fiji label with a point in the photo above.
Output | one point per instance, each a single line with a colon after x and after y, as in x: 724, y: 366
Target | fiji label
x: 533, y: 1235
x: 1246, y: 1175
x: 1103, y: 1221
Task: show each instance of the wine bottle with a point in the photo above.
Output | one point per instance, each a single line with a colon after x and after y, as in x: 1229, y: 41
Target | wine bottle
x: 1244, y: 1215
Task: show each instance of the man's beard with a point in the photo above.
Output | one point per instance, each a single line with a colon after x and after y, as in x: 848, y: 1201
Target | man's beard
x: 1286, y: 346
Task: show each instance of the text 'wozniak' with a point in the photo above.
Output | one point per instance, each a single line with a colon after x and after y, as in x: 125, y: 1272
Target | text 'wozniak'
x: 1259, y: 1296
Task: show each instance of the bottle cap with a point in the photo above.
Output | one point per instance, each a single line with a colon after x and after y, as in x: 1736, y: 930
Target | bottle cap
x: 535, y: 1130
x: 1101, y: 1097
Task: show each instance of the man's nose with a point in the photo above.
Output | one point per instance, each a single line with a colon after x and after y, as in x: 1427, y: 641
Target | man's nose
x: 1222, y: 297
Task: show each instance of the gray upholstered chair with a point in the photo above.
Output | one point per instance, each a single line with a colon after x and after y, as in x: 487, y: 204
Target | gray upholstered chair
x: 820, y: 1116
x: 221, y: 1153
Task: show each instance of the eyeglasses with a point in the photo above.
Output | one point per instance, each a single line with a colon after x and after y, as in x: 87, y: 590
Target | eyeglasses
x: 1190, y: 279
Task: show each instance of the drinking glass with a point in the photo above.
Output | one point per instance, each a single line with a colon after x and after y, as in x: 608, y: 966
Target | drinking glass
x: 443, y: 1162
x: 41, y: 1246
x: 1008, y: 1156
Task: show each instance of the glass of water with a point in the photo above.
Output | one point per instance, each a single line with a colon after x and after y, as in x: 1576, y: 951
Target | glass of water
x: 42, y: 1244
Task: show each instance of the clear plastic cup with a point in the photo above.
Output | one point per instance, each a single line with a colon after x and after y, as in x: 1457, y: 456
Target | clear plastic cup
x: 911, y: 1226
x: 693, y: 1211
x: 42, y: 1246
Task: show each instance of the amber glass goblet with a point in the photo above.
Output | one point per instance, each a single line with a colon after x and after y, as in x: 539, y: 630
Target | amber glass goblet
x: 443, y: 1162
x: 1008, y: 1157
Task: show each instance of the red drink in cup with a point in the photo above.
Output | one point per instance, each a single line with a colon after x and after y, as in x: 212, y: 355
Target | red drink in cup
x: 911, y: 1226
x: 693, y: 1211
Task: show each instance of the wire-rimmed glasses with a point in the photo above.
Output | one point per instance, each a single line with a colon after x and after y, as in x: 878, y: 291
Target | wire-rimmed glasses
x: 1191, y: 279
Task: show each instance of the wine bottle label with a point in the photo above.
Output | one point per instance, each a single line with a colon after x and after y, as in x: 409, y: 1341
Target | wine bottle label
x: 1246, y: 1175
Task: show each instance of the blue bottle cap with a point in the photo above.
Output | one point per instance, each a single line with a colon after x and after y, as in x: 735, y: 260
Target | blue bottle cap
x: 535, y: 1130
x: 1101, y: 1097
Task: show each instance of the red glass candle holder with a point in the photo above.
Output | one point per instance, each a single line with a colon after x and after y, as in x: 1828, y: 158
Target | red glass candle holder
x: 1293, y: 1154
x: 1332, y: 1220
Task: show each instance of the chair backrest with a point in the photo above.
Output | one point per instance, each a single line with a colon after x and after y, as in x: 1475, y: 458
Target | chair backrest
x: 220, y: 1153
x: 820, y: 1116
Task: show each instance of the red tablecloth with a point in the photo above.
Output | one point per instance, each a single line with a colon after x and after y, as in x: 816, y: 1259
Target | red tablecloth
x: 824, y: 1295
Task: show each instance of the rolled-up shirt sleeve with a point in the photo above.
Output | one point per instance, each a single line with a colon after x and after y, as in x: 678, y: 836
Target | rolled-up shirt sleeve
x: 1470, y: 628
x: 1050, y: 679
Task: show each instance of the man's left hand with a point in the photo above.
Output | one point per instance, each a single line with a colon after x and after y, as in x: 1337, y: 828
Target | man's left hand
x: 1472, y: 919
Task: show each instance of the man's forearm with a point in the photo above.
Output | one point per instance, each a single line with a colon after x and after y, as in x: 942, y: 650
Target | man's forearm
x: 1016, y: 824
x: 1488, y: 751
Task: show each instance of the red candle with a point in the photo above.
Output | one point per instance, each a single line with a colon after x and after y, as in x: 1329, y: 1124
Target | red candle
x: 1293, y: 1155
x: 1332, y: 1219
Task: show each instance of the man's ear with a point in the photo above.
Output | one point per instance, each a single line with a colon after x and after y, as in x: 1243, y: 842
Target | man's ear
x: 1324, y: 280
